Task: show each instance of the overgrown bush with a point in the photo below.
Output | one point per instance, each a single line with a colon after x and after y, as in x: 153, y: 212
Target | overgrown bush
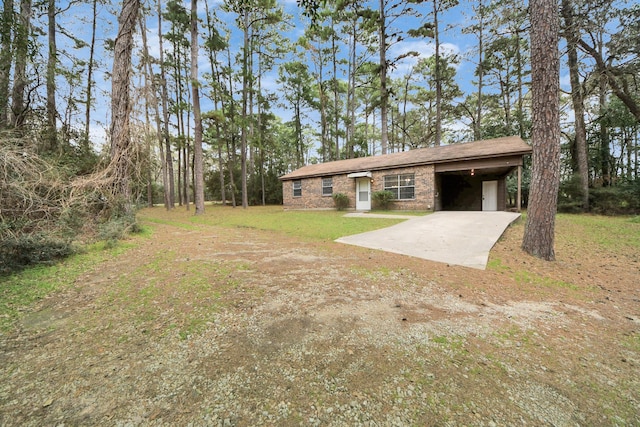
x: 117, y: 229
x: 341, y: 201
x: 383, y: 199
x: 43, y: 209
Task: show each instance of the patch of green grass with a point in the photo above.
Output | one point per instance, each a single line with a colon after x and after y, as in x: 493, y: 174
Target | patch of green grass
x: 24, y: 288
x: 632, y: 342
x: 455, y: 343
x: 612, y: 233
x: 309, y: 225
x: 526, y: 277
x: 497, y: 265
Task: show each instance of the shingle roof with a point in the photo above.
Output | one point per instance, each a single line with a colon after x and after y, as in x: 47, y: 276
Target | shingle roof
x: 498, y: 147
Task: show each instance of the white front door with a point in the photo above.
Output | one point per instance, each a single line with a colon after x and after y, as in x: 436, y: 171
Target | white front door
x: 363, y: 194
x: 489, y: 195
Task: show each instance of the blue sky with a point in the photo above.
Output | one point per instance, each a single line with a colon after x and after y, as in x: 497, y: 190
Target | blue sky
x: 76, y: 20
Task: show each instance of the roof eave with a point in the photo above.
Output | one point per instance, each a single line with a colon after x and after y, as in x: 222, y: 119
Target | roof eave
x: 405, y: 165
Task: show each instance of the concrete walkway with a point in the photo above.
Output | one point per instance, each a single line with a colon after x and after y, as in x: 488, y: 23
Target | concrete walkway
x: 459, y: 238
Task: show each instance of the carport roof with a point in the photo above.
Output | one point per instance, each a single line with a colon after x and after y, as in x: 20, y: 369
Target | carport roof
x: 489, y: 148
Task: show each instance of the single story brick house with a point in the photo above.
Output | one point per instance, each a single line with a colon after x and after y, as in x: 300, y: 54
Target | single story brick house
x: 467, y: 176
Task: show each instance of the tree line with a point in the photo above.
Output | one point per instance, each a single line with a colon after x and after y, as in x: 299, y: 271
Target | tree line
x: 339, y: 69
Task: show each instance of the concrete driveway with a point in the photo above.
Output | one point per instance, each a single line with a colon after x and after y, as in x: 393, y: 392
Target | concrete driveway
x: 459, y: 238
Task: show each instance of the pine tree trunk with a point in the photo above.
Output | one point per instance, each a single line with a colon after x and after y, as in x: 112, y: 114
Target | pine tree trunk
x: 121, y: 105
x: 52, y: 61
x: 436, y: 33
x: 170, y: 191
x: 245, y: 101
x: 577, y: 98
x: 92, y: 47
x: 21, y: 45
x: 384, y: 94
x: 6, y: 26
x: 477, y: 126
x: 198, y: 166
x: 545, y: 85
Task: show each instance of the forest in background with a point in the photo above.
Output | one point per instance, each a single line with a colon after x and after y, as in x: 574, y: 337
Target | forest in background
x: 280, y: 90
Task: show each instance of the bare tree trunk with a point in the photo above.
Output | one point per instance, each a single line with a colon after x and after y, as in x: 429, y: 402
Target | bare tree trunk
x: 170, y: 191
x: 477, y: 126
x: 6, y: 49
x: 198, y: 161
x: 545, y: 86
x: 605, y: 147
x: 87, y: 115
x: 151, y: 98
x: 245, y: 89
x: 384, y: 94
x: 21, y: 44
x: 217, y: 97
x: 231, y: 150
x: 121, y: 104
x: 52, y: 61
x: 577, y: 97
x: 336, y: 114
x: 436, y: 34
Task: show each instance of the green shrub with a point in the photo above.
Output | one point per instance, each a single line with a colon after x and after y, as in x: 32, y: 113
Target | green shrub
x: 570, y: 196
x: 622, y: 199
x: 383, y: 199
x: 117, y: 229
x: 22, y: 250
x: 341, y: 201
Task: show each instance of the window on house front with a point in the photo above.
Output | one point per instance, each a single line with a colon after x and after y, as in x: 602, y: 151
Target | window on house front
x: 297, y: 188
x: 327, y: 186
x: 403, y: 187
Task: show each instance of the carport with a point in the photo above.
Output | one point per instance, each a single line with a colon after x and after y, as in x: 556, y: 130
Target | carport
x: 476, y: 185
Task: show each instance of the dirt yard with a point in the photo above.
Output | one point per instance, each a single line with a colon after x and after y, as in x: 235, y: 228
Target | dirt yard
x: 210, y: 326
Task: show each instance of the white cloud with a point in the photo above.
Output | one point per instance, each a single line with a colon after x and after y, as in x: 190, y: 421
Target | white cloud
x: 423, y: 48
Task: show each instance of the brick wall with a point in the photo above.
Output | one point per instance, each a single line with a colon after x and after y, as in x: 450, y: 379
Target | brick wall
x: 312, y: 197
x: 424, y: 187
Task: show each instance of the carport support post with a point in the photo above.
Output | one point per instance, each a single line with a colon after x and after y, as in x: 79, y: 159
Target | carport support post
x: 519, y: 197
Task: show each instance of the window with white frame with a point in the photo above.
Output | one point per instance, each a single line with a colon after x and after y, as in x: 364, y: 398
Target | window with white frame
x: 403, y: 186
x: 297, y: 188
x: 327, y: 186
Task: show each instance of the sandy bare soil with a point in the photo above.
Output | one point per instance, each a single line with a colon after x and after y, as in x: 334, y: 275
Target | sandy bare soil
x: 218, y: 326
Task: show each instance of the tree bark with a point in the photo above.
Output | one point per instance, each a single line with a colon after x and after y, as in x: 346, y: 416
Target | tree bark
x: 245, y: 94
x: 121, y: 105
x: 545, y: 85
x: 170, y: 191
x: 21, y: 45
x: 477, y: 127
x: 90, y: 65
x: 384, y: 93
x: 152, y: 98
x: 51, y: 138
x: 436, y: 39
x: 6, y: 48
x: 197, y: 117
x: 577, y: 97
